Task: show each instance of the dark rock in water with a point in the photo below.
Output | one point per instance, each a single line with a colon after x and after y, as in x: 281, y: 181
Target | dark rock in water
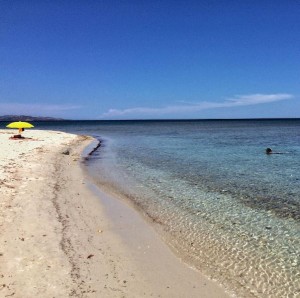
x: 66, y: 152
x: 268, y: 227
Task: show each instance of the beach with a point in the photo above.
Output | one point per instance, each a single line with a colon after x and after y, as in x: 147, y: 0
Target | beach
x: 62, y: 236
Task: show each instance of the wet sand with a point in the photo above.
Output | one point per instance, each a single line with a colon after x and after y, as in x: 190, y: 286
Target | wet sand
x: 62, y: 237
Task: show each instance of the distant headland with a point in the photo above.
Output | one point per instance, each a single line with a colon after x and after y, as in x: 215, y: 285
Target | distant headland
x: 28, y: 118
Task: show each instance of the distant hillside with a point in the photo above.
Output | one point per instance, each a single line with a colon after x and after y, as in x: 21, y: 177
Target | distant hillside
x: 27, y: 118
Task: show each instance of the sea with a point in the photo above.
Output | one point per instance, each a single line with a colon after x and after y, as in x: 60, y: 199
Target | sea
x: 219, y: 201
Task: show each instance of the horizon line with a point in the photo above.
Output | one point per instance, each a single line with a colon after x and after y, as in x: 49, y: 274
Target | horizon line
x: 152, y: 119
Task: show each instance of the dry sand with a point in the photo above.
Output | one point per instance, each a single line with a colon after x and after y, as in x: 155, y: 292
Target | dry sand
x: 59, y: 239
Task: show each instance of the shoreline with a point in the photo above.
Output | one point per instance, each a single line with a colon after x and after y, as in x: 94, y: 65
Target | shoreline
x: 64, y: 237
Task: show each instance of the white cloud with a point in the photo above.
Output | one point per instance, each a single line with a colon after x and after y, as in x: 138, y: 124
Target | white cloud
x: 254, y: 99
x: 34, y: 109
x: 184, y: 108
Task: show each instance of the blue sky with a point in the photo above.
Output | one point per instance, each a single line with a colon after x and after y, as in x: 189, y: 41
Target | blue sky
x: 150, y: 59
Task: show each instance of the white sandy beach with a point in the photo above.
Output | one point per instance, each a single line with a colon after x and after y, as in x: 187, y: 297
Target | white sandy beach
x: 61, y: 238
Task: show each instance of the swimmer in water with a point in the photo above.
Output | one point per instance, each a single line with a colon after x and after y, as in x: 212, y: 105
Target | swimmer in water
x: 270, y: 151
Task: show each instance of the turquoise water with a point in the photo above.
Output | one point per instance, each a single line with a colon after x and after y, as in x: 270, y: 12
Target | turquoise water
x: 219, y: 201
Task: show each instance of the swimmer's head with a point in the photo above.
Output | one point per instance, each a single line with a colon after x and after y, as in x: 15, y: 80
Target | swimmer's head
x: 268, y: 151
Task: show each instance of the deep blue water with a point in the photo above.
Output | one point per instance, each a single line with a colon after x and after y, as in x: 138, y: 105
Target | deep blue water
x: 221, y: 203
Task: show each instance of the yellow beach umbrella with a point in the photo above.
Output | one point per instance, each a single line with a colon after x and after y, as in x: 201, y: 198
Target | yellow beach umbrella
x: 20, y: 125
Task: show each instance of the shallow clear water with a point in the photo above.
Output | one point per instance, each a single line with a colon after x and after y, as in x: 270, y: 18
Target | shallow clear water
x: 225, y: 206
